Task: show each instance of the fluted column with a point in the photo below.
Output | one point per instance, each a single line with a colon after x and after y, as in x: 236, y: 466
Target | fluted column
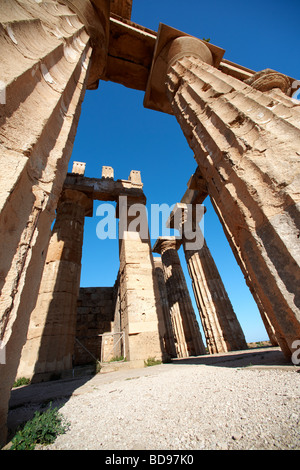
x: 51, y: 334
x: 169, y: 338
x: 46, y: 49
x: 221, y: 327
x: 246, y: 143
x: 185, y: 326
x: 270, y: 329
x: 141, y: 310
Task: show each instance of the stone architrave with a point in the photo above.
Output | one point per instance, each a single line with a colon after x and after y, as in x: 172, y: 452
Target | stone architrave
x: 246, y: 142
x: 221, y: 327
x: 188, y: 339
x: 50, y: 53
x: 51, y: 335
x: 141, y: 311
x: 169, y: 338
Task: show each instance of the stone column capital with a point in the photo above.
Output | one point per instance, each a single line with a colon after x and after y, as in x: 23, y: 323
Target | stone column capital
x: 79, y: 198
x: 171, y: 46
x: 267, y: 79
x: 164, y: 244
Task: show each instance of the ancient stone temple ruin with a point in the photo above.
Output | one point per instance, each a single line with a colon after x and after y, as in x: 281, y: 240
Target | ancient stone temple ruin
x: 244, y: 129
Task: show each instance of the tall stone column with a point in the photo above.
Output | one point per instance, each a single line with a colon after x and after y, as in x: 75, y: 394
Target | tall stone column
x: 51, y: 334
x: 46, y: 53
x: 238, y: 256
x: 246, y: 143
x: 141, y: 310
x: 221, y: 327
x: 186, y: 329
x: 169, y: 338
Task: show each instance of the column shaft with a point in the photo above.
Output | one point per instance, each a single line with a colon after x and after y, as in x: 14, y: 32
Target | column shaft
x: 141, y: 310
x: 46, y: 56
x: 246, y: 144
x: 221, y: 327
x: 169, y: 338
x: 51, y: 334
x: 186, y: 329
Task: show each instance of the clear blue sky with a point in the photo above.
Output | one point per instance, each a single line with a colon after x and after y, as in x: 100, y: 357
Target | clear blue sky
x: 116, y: 130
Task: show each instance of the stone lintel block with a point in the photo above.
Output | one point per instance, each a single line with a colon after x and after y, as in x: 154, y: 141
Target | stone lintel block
x: 106, y: 188
x: 121, y: 8
x: 130, y: 53
x: 168, y: 49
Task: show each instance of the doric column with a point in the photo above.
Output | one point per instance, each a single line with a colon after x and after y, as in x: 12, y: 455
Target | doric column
x: 51, y: 334
x: 169, y: 338
x: 46, y: 53
x: 221, y: 327
x: 185, y: 326
x: 141, y: 310
x: 270, y: 329
x: 246, y: 143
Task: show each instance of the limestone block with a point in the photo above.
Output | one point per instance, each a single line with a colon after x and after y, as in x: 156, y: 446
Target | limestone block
x: 78, y: 168
x: 107, y: 172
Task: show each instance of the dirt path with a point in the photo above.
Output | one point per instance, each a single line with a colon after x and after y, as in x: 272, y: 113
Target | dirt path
x: 247, y: 400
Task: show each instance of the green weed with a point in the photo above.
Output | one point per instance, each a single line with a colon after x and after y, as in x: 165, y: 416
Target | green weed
x: 42, y: 429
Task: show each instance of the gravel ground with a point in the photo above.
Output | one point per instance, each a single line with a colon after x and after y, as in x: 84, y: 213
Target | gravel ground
x: 182, y: 407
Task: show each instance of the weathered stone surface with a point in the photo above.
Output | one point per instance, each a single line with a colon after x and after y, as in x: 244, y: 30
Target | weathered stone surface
x: 169, y: 337
x: 246, y: 144
x: 121, y: 8
x: 106, y: 188
x: 170, y: 45
x: 52, y: 329
x: 221, y: 327
x: 78, y: 168
x: 140, y: 304
x: 95, y: 316
x: 188, y: 340
x: 130, y: 52
x: 107, y: 172
x: 45, y: 54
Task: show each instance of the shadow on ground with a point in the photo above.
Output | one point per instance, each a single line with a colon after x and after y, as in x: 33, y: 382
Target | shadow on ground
x: 264, y: 357
x: 26, y: 400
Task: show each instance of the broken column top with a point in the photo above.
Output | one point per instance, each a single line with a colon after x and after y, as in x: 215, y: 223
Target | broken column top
x: 107, y: 172
x: 135, y: 177
x: 78, y: 168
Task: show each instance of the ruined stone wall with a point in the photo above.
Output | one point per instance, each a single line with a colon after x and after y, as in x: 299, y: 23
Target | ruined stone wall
x: 95, y: 315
